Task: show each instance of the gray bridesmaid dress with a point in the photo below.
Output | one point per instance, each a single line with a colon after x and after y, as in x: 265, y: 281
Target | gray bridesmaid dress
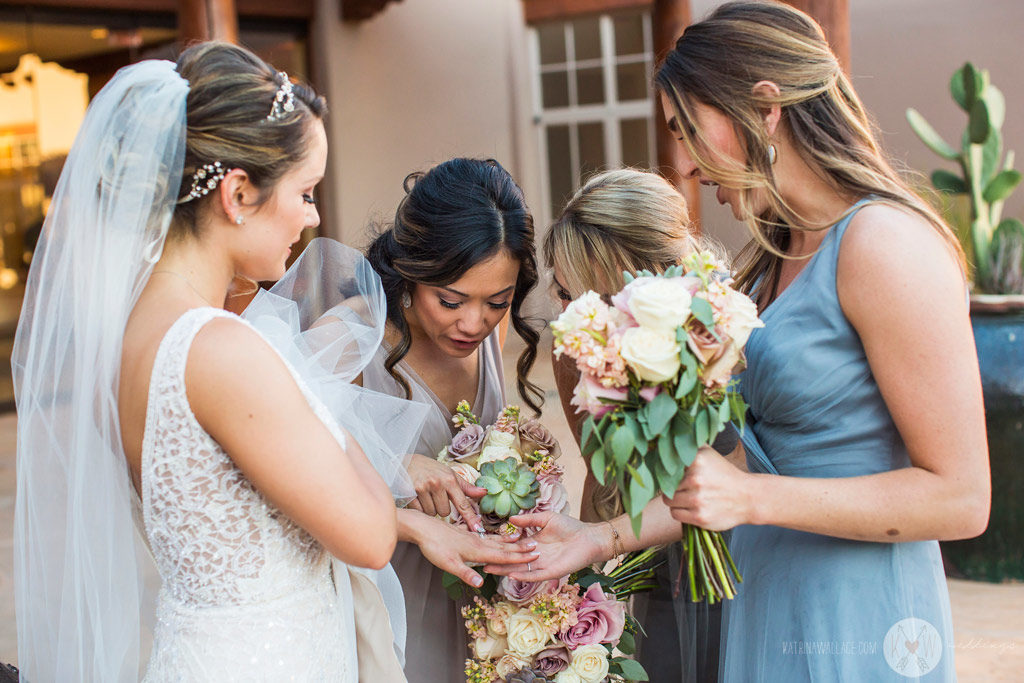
x: 436, y: 644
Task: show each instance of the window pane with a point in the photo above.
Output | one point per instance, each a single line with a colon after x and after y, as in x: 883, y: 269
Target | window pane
x: 559, y: 167
x: 629, y: 35
x: 555, y: 89
x: 587, y: 36
x: 590, y: 86
x: 632, y: 81
x: 634, y: 143
x: 592, y: 155
x: 552, y: 43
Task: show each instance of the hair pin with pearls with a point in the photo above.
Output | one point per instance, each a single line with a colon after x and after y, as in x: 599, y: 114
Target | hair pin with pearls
x: 204, y: 180
x: 284, y: 99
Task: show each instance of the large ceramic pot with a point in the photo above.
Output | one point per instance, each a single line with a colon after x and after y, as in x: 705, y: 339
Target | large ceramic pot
x: 998, y: 554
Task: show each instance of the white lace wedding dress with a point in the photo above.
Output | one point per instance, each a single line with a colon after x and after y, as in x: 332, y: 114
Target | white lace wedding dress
x: 246, y: 594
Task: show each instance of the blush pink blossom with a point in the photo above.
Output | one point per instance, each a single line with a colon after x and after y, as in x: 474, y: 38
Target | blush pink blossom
x: 588, y: 394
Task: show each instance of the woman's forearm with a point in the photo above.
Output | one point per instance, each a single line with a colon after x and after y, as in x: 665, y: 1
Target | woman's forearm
x: 909, y: 504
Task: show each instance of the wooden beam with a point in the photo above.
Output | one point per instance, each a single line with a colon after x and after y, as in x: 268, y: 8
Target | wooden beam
x: 834, y: 17
x: 200, y: 20
x: 271, y: 9
x: 669, y: 18
x: 547, y: 10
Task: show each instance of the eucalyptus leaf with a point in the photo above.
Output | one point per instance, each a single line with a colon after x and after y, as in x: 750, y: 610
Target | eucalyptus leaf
x: 683, y: 438
x: 623, y: 444
x: 627, y: 644
x: 667, y: 451
x: 688, y: 378
x: 597, y: 465
x: 702, y: 428
x: 703, y: 312
x: 660, y: 412
x: 632, y: 670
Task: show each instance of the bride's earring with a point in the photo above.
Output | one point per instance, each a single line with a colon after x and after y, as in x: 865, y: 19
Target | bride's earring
x: 406, y: 300
x: 773, y: 155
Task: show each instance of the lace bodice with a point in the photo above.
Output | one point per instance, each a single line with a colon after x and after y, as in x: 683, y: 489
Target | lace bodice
x: 242, y: 583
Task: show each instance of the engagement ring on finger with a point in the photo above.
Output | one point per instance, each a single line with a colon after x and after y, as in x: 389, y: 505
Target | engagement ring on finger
x: 528, y: 567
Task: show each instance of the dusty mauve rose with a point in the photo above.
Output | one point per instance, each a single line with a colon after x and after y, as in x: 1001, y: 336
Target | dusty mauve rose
x: 536, y: 437
x: 553, y: 495
x: 600, y: 620
x: 520, y: 591
x: 552, y: 660
x: 718, y: 373
x: 588, y: 392
x: 467, y: 442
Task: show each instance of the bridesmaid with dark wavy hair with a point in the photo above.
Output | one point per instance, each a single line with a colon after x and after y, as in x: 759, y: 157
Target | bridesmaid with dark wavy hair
x: 456, y: 264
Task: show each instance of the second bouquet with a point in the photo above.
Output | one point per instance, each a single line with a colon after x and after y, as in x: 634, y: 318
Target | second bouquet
x: 656, y: 367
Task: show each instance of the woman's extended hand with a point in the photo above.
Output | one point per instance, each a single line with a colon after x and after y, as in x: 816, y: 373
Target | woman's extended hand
x: 453, y: 549
x: 714, y: 494
x: 438, y: 488
x: 564, y: 544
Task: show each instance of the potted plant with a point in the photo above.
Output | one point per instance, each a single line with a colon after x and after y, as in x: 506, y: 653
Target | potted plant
x: 986, y: 178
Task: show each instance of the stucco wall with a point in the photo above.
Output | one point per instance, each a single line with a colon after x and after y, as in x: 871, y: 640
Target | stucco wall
x: 424, y: 81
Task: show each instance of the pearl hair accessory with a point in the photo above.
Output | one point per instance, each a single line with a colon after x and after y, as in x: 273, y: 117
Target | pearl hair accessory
x: 284, y: 100
x: 204, y: 180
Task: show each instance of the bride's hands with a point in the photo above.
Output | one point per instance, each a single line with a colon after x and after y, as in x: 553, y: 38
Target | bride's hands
x: 438, y: 488
x: 714, y: 494
x: 564, y: 544
x: 451, y: 548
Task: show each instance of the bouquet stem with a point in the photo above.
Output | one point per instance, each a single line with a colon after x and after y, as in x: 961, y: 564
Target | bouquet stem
x: 710, y: 568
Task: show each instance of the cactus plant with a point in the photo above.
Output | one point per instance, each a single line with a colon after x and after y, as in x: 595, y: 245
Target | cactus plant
x: 511, y: 487
x: 987, y: 178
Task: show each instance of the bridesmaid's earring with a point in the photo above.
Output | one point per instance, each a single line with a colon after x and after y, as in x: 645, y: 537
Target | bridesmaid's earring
x: 773, y: 155
x: 239, y: 219
x: 406, y: 300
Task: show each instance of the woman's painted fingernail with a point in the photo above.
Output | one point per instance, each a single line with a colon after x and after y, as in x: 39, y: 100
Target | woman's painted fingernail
x: 477, y: 581
x: 479, y: 528
x: 531, y: 544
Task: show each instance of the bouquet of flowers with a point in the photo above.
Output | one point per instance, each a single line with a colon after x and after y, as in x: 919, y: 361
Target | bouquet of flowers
x: 514, y: 459
x: 558, y: 631
x: 656, y: 369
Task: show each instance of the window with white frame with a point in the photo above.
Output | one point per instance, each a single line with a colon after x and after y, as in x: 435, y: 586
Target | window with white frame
x: 592, y: 98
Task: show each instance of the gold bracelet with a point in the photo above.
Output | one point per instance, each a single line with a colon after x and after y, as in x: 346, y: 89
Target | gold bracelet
x: 617, y: 548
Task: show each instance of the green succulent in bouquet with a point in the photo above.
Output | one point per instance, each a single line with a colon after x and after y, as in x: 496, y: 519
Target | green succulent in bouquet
x: 986, y: 177
x: 511, y: 487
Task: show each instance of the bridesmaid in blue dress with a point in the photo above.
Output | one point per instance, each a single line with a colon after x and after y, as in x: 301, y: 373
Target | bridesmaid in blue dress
x: 866, y: 441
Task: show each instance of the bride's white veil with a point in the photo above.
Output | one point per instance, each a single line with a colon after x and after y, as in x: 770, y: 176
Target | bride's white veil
x: 77, y: 555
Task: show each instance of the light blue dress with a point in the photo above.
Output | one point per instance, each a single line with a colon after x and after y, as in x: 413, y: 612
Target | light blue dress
x: 811, y: 607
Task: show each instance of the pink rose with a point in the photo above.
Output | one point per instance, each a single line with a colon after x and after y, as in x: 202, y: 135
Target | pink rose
x: 588, y: 394
x: 600, y: 620
x: 467, y: 442
x: 550, y: 661
x: 521, y: 591
x: 648, y: 393
x: 718, y: 373
x: 553, y: 495
x: 536, y: 437
x: 703, y: 343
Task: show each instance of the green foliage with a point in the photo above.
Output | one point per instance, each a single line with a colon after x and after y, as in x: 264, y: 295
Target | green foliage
x: 986, y: 178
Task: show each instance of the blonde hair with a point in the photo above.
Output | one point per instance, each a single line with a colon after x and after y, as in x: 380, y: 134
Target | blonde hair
x: 718, y: 61
x: 621, y: 220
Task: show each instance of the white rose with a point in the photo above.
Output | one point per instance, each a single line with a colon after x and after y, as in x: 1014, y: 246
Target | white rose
x: 590, y: 662
x: 661, y: 304
x: 652, y: 355
x: 489, y: 647
x: 526, y: 634
x: 509, y: 664
x: 499, y: 624
x: 491, y: 453
x: 501, y: 439
x: 740, y: 317
x: 567, y: 676
x: 464, y: 471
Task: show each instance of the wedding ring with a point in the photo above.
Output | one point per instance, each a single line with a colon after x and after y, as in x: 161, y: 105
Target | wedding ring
x: 528, y: 567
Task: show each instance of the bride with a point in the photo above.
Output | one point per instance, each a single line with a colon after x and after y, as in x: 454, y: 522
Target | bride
x: 137, y: 393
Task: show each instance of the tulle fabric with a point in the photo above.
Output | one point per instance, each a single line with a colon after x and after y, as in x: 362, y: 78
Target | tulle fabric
x: 78, y: 557
x: 814, y: 607
x: 326, y: 317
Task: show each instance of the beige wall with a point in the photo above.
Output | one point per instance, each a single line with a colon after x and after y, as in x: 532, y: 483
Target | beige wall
x: 424, y: 81
x: 430, y: 79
